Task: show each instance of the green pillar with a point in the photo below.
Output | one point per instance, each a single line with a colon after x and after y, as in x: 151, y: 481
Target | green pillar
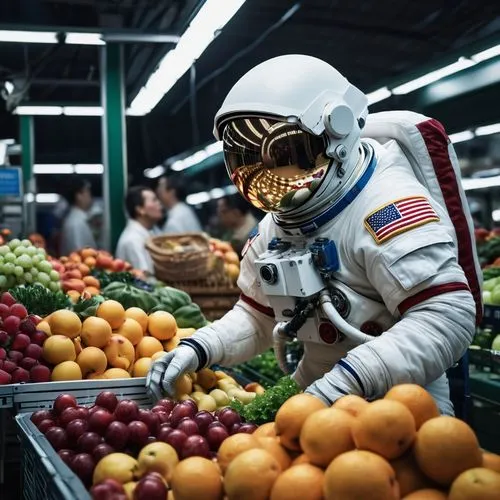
x: 114, y: 142
x: 27, y: 140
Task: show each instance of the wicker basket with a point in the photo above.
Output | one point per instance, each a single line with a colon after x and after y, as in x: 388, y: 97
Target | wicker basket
x: 192, y: 263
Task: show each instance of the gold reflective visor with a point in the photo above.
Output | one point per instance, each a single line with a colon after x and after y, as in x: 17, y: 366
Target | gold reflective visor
x: 275, y: 165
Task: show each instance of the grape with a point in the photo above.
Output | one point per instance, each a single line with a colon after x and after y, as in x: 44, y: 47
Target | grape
x: 14, y: 243
x: 34, y: 272
x: 8, y: 268
x: 43, y: 278
x: 28, y: 277
x: 54, y: 286
x: 42, y: 252
x: 36, y: 259
x: 26, y: 243
x: 10, y: 257
x: 3, y: 281
x: 54, y: 275
x: 24, y: 261
x: 45, y: 267
x: 4, y: 250
x: 18, y: 271
x: 32, y: 251
x: 20, y: 250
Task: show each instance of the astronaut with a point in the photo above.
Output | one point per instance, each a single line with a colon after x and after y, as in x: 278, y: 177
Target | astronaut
x: 403, y: 308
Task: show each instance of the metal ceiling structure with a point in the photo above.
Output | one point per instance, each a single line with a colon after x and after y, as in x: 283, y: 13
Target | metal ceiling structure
x: 372, y: 43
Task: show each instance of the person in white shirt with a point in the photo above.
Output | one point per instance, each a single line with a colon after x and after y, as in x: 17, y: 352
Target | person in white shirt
x: 76, y: 231
x: 144, y: 211
x: 181, y: 217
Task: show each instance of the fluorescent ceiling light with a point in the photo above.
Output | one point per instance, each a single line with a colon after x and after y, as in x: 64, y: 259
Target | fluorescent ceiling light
x: 488, y: 129
x: 206, y: 25
x: 197, y: 198
x: 29, y: 197
x: 198, y: 157
x: 9, y: 142
x: 378, y: 95
x: 47, y: 198
x: 214, y: 194
x: 482, y: 183
x: 433, y: 76
x: 39, y: 110
x: 83, y: 110
x: 487, y: 54
x: 89, y: 168
x: 84, y: 39
x: 62, y: 168
x: 495, y: 215
x: 28, y: 36
x: 231, y: 189
x: 153, y: 173
x: 466, y: 135
x: 217, y: 193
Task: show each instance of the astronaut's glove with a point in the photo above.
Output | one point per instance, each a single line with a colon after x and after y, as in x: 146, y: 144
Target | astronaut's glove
x: 336, y: 383
x: 167, y: 369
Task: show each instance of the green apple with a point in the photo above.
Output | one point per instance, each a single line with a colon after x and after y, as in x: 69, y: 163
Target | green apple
x: 495, y: 346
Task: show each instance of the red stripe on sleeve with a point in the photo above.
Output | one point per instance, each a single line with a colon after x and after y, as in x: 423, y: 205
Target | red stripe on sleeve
x: 428, y: 293
x: 258, y: 307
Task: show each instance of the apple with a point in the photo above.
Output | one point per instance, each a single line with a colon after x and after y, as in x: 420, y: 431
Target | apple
x: 188, y: 426
x: 33, y: 351
x: 40, y: 373
x: 101, y: 450
x: 4, y: 336
x: 15, y: 356
x: 64, y: 401
x: 18, y: 310
x: 5, y: 377
x: 215, y: 435
x: 35, y: 319
x: 88, y: 441
x: 109, y: 489
x: 139, y: 432
x: 8, y: 299
x: 20, y: 375
x: 4, y: 310
x: 229, y: 417
x: 28, y: 363
x: 234, y: 429
x: 3, y: 352
x: 203, y: 419
x: 69, y: 414
x: 152, y: 420
x: 126, y: 411
x: 163, y: 417
x: 75, y: 428
x: 107, y: 400
x: 83, y: 466
x: 39, y: 415
x: 176, y: 438
x: 150, y: 488
x: 159, y: 409
x: 9, y: 366
x: 11, y: 324
x: 94, y: 408
x: 248, y: 428
x: 57, y: 437
x: 189, y: 402
x: 99, y: 421
x: 83, y: 412
x: 39, y: 338
x: 168, y: 404
x: 163, y: 432
x: 181, y: 411
x: 27, y: 327
x: 20, y: 342
x: 117, y: 435
x: 195, y: 446
x: 45, y: 425
x: 66, y: 456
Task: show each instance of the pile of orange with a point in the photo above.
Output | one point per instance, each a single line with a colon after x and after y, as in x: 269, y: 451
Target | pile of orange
x: 395, y: 448
x: 116, y: 343
x: 224, y: 251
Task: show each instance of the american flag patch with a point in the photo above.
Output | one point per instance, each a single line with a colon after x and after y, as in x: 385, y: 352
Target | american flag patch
x: 399, y: 216
x: 254, y: 233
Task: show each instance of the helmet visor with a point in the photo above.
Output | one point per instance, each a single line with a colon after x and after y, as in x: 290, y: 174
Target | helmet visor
x: 275, y: 165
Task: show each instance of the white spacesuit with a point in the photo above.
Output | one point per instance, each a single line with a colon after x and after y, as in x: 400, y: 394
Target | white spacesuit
x: 349, y: 225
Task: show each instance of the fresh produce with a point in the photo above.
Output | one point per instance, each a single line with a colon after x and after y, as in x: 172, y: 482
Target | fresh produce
x: 224, y: 251
x: 21, y: 262
x: 39, y: 300
x: 489, y: 250
x: 491, y: 272
x: 130, y: 296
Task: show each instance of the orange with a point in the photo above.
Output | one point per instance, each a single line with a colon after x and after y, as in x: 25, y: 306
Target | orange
x: 113, y: 312
x: 58, y: 348
x: 88, y: 252
x: 147, y: 347
x: 292, y: 415
x: 139, y: 315
x: 445, y: 447
x: 351, y: 403
x: 301, y: 459
x: 131, y: 330
x: 196, y: 477
x: 232, y: 258
x: 408, y: 474
x: 272, y: 445
x: 266, y: 430
x: 326, y: 434
x: 162, y: 325
x: 92, y: 281
x: 233, y: 446
x: 64, y: 322
x: 384, y: 427
x: 251, y: 475
x: 233, y: 271
x: 96, y: 332
x: 303, y: 482
x: 490, y: 461
x: 118, y: 466
x: 417, y: 400
x: 360, y: 474
x: 92, y: 360
x: 116, y: 373
x: 476, y: 484
x: 427, y: 494
x: 156, y: 355
x: 141, y: 367
x: 90, y: 261
x: 67, y: 370
x: 170, y: 345
x: 45, y: 327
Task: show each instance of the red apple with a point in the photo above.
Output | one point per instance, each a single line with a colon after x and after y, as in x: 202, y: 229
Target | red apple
x: 176, y: 439
x: 163, y: 432
x: 234, y: 429
x: 38, y: 338
x: 188, y: 426
x: 34, y: 319
x: 152, y: 420
x: 107, y: 490
x: 15, y: 356
x: 107, y: 400
x: 101, y: 450
x: 28, y: 327
x: 33, y: 351
x: 139, y: 432
x: 20, y: 342
x: 40, y: 373
x: 9, y: 366
x: 28, y: 363
x: 83, y: 466
x: 159, y: 409
x: 126, y: 411
x: 18, y: 310
x: 64, y: 401
x: 215, y: 435
x: 11, y: 324
x: 45, y: 425
x: 39, y: 415
x: 168, y: 404
x: 229, y: 417
x: 88, y: 441
x: 83, y: 412
x: 8, y: 299
x: 99, y: 421
x: 248, y: 428
x: 150, y: 488
x: 181, y: 411
x: 195, y: 446
x: 69, y: 414
x: 75, y: 429
x: 66, y: 456
x: 5, y: 377
x: 4, y: 310
x: 57, y: 437
x: 3, y: 353
x: 191, y: 403
x: 203, y: 419
x: 20, y: 375
x: 117, y: 435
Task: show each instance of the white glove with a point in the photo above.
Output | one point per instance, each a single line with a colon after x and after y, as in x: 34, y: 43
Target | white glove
x: 165, y: 371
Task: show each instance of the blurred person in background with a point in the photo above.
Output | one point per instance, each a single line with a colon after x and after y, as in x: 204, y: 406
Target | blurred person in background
x: 76, y: 232
x: 181, y: 218
x: 235, y: 216
x: 144, y: 212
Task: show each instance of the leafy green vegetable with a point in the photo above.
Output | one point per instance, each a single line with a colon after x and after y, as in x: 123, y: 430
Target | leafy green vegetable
x: 130, y: 296
x: 106, y: 277
x: 491, y: 272
x: 265, y: 406
x: 40, y: 300
x: 88, y: 307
